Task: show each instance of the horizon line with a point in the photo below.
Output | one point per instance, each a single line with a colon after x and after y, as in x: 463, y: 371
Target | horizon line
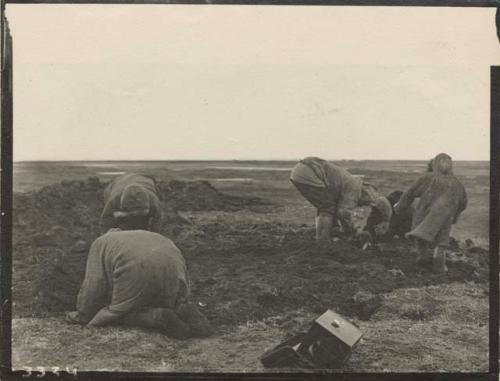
x: 212, y: 160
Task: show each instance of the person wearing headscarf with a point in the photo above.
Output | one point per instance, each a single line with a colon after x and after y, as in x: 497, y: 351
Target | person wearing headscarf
x: 442, y: 199
x: 382, y: 223
x: 138, y: 278
x: 333, y: 191
x: 131, y: 195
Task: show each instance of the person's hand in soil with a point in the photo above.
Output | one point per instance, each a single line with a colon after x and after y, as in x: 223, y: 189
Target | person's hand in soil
x: 337, y: 231
x: 363, y: 239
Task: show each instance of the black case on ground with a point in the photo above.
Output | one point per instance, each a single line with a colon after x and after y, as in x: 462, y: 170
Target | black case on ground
x: 287, y: 355
x: 327, y: 345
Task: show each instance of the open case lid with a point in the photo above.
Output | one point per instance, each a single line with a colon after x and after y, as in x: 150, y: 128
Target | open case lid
x: 338, y: 326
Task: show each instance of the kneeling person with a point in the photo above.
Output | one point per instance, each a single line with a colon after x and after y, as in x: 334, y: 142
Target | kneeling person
x: 138, y: 278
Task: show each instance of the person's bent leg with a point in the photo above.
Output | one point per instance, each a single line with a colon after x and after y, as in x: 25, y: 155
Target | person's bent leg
x: 321, y: 199
x: 324, y: 226
x: 164, y: 320
x: 439, y: 261
x: 421, y: 248
x: 442, y: 244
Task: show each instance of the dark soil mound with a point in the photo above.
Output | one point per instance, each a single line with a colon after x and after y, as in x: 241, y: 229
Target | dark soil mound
x: 54, y: 227
x: 250, y: 272
x: 202, y: 196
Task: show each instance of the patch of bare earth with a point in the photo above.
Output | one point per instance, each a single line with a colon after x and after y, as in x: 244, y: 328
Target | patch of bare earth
x: 259, y: 281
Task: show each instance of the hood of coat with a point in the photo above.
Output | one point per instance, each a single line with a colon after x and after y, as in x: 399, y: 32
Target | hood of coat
x: 442, y: 164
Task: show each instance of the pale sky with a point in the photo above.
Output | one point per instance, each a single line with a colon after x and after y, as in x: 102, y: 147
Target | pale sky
x: 165, y: 82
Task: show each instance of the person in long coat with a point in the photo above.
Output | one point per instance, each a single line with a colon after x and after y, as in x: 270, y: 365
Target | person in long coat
x: 333, y: 191
x: 138, y: 278
x: 442, y: 199
x: 131, y: 194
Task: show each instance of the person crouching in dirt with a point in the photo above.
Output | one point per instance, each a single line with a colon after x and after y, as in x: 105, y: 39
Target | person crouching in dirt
x: 383, y: 224
x: 131, y: 192
x: 138, y: 278
x: 442, y: 199
x: 333, y: 191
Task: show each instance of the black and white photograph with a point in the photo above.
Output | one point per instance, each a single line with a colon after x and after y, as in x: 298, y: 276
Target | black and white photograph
x: 250, y: 188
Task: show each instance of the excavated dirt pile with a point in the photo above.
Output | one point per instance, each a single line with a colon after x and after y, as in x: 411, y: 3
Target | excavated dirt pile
x: 54, y: 227
x: 240, y: 271
x: 202, y: 196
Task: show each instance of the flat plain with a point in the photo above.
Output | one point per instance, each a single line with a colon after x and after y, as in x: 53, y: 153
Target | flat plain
x: 256, y: 270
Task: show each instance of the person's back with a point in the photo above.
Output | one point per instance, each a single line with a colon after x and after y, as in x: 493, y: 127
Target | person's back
x: 440, y: 189
x: 442, y: 196
x: 148, y: 259
x: 143, y: 269
x: 336, y: 179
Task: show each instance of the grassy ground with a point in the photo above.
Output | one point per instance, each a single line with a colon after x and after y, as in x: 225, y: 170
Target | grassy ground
x: 430, y: 329
x: 436, y: 328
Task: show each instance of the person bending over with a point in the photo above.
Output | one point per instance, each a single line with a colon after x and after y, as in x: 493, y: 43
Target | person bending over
x: 333, y: 191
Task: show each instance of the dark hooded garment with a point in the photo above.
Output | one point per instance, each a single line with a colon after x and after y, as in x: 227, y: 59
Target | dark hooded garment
x: 399, y: 224
x: 442, y: 199
x: 131, y: 194
x: 128, y: 271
